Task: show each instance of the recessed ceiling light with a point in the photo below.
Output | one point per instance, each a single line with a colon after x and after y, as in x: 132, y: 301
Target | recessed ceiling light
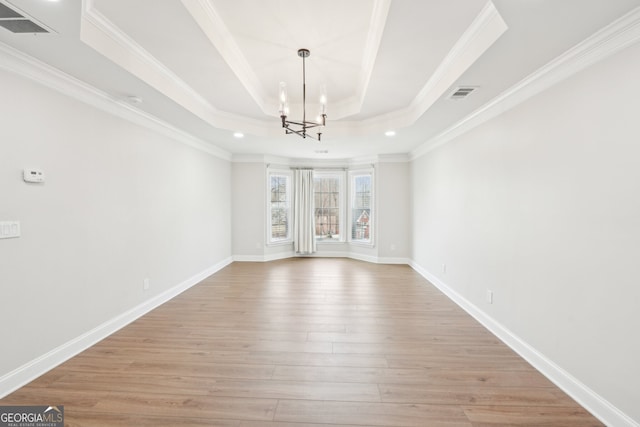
x: 390, y: 133
x: 238, y: 135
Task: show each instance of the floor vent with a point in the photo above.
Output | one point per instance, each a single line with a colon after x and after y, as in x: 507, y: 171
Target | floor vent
x: 18, y: 22
x: 462, y: 92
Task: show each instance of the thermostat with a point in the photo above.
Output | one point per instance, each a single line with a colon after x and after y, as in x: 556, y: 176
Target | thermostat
x: 33, y: 175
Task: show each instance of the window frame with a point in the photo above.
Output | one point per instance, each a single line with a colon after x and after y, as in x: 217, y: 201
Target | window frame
x: 271, y: 241
x: 353, y: 174
x: 342, y: 197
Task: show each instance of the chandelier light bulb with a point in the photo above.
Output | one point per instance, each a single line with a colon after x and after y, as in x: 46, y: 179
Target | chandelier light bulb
x: 323, y: 100
x: 284, y: 108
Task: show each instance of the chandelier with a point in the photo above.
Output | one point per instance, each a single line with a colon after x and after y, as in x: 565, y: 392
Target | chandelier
x: 301, y: 128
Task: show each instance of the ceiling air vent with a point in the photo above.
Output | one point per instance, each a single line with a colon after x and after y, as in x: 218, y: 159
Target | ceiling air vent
x: 462, y: 92
x: 18, y: 22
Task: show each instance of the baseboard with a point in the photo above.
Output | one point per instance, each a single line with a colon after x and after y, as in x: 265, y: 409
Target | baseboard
x: 32, y: 370
x: 322, y: 254
x: 279, y: 256
x: 590, y: 400
x: 394, y: 260
x: 248, y: 258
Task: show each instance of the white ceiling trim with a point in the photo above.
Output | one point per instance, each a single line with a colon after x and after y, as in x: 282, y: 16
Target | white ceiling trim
x: 613, y: 38
x: 26, y: 66
x: 486, y: 28
x: 372, y: 46
x: 209, y: 20
x: 474, y: 42
x: 211, y: 23
x: 285, y: 162
x: 105, y: 37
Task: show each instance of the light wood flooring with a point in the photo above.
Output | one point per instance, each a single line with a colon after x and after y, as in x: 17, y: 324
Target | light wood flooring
x: 304, y: 342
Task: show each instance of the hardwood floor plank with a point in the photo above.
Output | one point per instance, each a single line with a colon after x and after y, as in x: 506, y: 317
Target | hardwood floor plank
x: 128, y: 420
x: 209, y: 386
x: 532, y: 416
x: 425, y: 338
x: 304, y: 343
x: 375, y: 414
x: 418, y: 349
x: 288, y: 424
x: 438, y: 377
x: 482, y: 395
x: 210, y: 369
x: 444, y: 360
x: 174, y: 405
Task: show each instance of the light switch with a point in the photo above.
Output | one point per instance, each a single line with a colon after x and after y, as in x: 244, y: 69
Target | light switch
x: 9, y: 229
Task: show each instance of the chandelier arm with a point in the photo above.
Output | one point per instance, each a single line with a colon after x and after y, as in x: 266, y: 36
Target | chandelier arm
x: 292, y: 122
x: 298, y: 132
x: 303, y: 134
x: 310, y: 125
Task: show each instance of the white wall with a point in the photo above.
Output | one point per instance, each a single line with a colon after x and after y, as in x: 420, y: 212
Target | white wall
x: 542, y: 206
x: 248, y: 184
x: 394, y: 213
x: 120, y: 204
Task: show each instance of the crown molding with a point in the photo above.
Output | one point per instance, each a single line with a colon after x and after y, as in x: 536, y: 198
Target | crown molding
x: 394, y: 158
x: 109, y: 40
x: 483, y: 32
x: 212, y: 24
x: 474, y: 42
x: 21, y: 64
x: 321, y: 163
x: 372, y: 46
x: 248, y: 158
x: 613, y: 38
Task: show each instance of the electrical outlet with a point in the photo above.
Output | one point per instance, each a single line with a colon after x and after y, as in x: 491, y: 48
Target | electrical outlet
x: 393, y: 247
x: 9, y: 229
x: 444, y: 268
x: 145, y: 284
x: 489, y: 296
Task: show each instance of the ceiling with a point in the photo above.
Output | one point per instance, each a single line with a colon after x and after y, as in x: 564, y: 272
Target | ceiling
x: 212, y: 68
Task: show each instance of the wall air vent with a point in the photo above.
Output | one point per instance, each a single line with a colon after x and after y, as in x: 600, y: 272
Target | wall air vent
x: 14, y: 20
x: 462, y: 92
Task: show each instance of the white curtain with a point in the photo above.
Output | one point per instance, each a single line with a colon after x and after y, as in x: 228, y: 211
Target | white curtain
x: 304, y: 240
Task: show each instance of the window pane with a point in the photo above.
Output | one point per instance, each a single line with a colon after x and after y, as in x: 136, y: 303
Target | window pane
x: 279, y: 207
x: 327, y: 206
x: 361, y: 208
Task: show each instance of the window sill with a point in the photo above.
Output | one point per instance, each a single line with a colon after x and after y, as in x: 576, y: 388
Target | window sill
x: 363, y: 244
x: 328, y: 240
x: 280, y: 243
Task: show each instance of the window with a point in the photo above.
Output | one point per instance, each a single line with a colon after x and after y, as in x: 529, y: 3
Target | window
x: 328, y: 199
x: 279, y: 209
x: 337, y: 218
x: 361, y: 206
